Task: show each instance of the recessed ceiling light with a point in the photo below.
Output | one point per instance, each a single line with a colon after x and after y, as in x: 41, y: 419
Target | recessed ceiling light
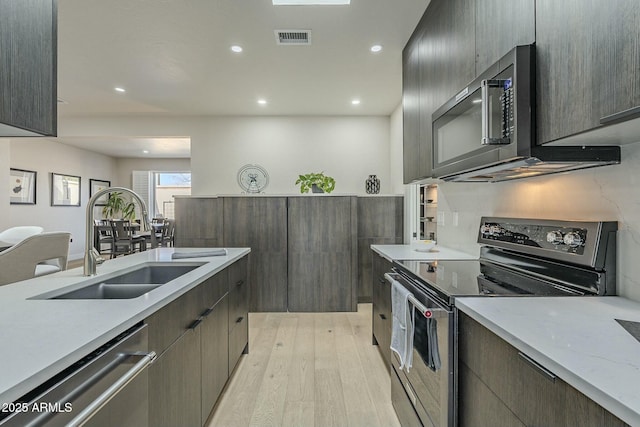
x: 355, y: 101
x: 376, y: 48
x: 309, y: 2
x: 119, y: 89
x: 145, y: 151
x: 262, y: 101
x: 236, y: 48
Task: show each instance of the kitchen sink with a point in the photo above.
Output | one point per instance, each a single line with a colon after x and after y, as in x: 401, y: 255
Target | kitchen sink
x: 128, y: 284
x: 107, y: 291
x: 151, y: 274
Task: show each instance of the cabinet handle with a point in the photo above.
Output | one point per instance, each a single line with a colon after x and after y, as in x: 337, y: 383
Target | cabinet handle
x: 206, y: 312
x: 621, y: 116
x: 196, y: 323
x: 239, y: 319
x: 383, y: 317
x: 538, y: 367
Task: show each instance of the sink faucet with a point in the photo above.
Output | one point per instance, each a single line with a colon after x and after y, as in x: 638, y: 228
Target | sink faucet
x: 91, y: 256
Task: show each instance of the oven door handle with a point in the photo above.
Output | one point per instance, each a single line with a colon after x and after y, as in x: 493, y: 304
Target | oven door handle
x: 428, y: 312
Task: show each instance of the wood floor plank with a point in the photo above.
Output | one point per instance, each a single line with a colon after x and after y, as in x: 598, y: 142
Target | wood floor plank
x: 309, y: 369
x: 269, y: 407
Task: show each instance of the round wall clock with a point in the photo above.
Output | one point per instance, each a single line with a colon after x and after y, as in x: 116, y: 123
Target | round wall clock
x: 253, y: 178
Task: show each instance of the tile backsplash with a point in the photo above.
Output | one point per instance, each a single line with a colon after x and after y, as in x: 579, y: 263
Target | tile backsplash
x: 609, y: 193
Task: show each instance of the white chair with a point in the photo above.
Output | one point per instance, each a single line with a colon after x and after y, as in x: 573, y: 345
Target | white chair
x: 14, y: 235
x: 40, y: 254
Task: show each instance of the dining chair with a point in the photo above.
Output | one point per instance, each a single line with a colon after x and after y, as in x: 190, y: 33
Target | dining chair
x: 124, y: 242
x: 103, y: 241
x: 167, y: 232
x: 37, y: 255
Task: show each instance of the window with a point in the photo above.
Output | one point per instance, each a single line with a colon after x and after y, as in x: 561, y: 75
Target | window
x: 167, y: 185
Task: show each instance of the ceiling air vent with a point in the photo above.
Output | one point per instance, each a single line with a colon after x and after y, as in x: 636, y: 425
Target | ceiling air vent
x: 293, y: 37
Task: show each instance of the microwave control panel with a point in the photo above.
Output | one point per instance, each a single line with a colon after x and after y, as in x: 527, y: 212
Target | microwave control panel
x: 508, y: 108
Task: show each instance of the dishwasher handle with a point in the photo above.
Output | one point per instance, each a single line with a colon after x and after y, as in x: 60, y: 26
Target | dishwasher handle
x: 91, y: 409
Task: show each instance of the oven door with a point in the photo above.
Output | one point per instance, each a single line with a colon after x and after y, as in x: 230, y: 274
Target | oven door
x: 429, y: 385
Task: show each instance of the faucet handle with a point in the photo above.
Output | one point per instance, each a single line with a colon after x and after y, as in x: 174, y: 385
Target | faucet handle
x: 99, y: 259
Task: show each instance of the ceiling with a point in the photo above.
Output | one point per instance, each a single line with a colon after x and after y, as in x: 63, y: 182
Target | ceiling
x: 173, y: 58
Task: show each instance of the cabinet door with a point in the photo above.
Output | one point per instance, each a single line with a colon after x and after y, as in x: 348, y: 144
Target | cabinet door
x: 380, y: 221
x: 530, y: 392
x: 214, y: 342
x: 411, y: 144
x: 28, y: 65
x: 322, y: 253
x: 199, y: 222
x: 174, y: 384
x: 500, y: 26
x: 588, y: 63
x: 238, y: 291
x: 261, y: 224
x: 382, y: 306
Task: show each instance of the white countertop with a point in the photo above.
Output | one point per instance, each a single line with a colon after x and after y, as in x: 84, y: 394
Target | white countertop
x: 42, y: 337
x: 576, y: 338
x: 406, y: 252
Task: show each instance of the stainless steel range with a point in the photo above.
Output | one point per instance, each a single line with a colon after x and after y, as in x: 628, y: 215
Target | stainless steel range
x: 519, y: 257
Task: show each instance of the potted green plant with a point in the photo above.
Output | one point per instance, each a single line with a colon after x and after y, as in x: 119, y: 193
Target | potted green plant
x: 119, y: 207
x: 316, y: 182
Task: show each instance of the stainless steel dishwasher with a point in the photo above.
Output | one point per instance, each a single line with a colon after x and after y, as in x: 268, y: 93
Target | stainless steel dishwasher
x: 106, y: 388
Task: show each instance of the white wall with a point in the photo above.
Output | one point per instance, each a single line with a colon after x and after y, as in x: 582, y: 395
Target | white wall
x: 45, y: 156
x: 347, y: 148
x: 605, y: 193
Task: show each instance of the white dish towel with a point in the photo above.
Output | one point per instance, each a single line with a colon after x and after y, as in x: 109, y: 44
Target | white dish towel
x: 402, y: 324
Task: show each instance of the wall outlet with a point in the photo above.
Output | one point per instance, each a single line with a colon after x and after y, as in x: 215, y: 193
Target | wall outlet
x: 455, y: 219
x: 441, y: 219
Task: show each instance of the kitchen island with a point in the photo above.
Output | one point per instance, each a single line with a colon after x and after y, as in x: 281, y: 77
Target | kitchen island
x: 42, y: 337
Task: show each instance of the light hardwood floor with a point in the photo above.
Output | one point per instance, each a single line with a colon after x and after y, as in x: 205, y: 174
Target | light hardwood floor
x: 309, y: 369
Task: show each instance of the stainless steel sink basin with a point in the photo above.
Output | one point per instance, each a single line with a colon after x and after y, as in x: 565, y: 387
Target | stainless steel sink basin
x: 106, y: 291
x: 127, y: 284
x: 151, y: 274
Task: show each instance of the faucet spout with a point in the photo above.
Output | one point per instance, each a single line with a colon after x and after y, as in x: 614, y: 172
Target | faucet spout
x: 91, y: 256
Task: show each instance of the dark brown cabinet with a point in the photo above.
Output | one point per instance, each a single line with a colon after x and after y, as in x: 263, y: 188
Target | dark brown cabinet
x: 380, y: 222
x: 588, y: 64
x: 174, y: 378
x: 195, y: 342
x: 199, y: 222
x: 322, y: 253
x: 381, y: 307
x: 498, y: 384
x: 500, y: 26
x: 412, y: 168
x: 238, y: 311
x: 260, y: 223
x: 28, y: 67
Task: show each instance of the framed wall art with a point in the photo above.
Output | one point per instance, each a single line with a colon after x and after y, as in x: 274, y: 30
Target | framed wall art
x: 22, y: 188
x: 65, y: 190
x: 96, y: 185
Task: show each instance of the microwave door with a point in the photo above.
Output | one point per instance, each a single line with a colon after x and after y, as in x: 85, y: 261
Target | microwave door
x: 456, y: 132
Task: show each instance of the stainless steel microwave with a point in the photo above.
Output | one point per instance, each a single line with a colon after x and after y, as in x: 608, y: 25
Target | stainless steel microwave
x: 486, y: 132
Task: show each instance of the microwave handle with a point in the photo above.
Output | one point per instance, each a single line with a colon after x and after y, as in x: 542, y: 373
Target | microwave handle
x: 484, y: 91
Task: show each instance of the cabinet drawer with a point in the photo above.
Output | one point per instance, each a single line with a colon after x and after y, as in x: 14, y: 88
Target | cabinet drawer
x: 238, y: 339
x: 238, y: 292
x: 215, y: 287
x: 169, y: 323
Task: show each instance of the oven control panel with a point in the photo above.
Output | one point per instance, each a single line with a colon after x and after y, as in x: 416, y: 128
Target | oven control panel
x: 552, y: 237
